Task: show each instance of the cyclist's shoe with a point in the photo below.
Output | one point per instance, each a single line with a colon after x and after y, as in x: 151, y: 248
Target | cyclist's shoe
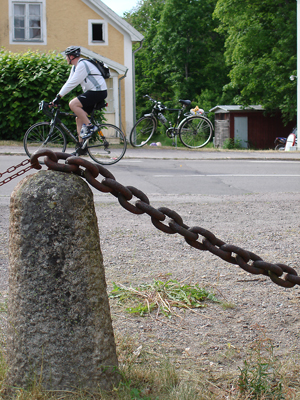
x: 87, y: 131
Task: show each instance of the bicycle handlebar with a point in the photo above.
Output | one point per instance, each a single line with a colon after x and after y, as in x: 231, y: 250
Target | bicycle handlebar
x: 49, y: 109
x: 46, y: 108
x: 150, y: 98
x: 159, y: 106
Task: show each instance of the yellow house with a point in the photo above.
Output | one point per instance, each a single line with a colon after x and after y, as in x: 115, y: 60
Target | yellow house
x: 56, y: 24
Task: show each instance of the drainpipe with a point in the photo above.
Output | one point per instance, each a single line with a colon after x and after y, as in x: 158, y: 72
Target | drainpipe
x: 133, y: 80
x: 298, y: 75
x: 120, y: 100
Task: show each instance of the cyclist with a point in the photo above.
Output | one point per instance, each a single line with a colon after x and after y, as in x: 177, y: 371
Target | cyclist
x: 94, y: 89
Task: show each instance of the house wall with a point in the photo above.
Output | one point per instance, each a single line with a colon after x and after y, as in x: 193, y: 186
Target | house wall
x: 222, y: 129
x: 262, y: 129
x: 4, y: 24
x: 66, y: 28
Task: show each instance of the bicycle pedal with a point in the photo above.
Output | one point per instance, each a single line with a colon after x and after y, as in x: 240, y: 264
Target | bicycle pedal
x: 81, y: 152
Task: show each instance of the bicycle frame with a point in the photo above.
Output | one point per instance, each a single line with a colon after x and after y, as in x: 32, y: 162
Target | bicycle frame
x: 56, y: 121
x: 156, y: 114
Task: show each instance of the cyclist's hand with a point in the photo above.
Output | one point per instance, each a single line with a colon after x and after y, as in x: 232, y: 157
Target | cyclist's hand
x: 56, y: 101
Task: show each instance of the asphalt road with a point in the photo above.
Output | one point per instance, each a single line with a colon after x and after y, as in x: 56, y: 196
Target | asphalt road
x: 209, y: 177
x: 183, y: 176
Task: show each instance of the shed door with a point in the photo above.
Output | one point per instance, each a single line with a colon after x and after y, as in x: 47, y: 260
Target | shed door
x: 241, y: 130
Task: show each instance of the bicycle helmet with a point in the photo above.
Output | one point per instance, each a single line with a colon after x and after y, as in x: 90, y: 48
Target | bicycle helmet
x: 73, y: 50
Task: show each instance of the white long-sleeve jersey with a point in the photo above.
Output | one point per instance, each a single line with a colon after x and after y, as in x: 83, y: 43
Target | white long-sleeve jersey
x: 86, y: 75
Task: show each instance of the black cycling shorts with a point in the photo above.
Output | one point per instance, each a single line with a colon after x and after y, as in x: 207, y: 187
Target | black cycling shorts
x: 90, y: 98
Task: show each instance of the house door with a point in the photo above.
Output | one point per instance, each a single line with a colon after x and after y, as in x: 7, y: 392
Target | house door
x: 241, y: 130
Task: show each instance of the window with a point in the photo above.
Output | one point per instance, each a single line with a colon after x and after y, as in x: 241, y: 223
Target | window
x: 97, y: 32
x: 27, y: 21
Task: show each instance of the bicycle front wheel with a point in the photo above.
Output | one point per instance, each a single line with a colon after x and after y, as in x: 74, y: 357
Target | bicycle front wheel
x: 195, y: 132
x: 142, y: 131
x: 42, y: 136
x: 108, y: 145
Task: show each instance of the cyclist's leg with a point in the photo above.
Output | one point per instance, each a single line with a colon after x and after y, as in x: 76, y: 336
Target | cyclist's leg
x: 81, y: 115
x: 87, y: 100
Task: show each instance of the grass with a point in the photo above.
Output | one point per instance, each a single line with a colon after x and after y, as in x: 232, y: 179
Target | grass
x: 261, y: 376
x: 170, y: 142
x: 230, y: 144
x: 162, y: 297
x: 10, y: 143
x: 152, y: 376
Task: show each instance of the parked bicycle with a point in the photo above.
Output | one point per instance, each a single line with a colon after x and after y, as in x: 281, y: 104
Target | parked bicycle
x: 194, y: 131
x: 106, y: 146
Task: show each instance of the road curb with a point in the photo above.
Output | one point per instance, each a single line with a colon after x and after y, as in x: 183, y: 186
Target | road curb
x: 185, y: 154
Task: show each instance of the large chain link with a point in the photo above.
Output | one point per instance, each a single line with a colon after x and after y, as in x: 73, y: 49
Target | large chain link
x: 19, y: 173
x: 195, y: 236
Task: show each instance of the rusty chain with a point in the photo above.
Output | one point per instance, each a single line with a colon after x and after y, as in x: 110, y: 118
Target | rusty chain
x: 281, y: 274
x: 19, y: 173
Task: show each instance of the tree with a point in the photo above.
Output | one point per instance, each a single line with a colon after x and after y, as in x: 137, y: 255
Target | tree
x: 182, y: 55
x: 145, y: 18
x: 261, y: 51
x: 191, y: 49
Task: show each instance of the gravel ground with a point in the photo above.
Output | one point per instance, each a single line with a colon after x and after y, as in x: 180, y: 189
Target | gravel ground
x: 135, y: 252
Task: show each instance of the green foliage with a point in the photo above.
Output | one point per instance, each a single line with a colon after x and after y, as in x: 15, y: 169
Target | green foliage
x: 230, y: 144
x: 182, y: 54
x: 149, y: 80
x: 260, y: 49
x: 25, y: 80
x: 217, y: 52
x: 260, y: 377
x: 161, y: 296
x: 190, y: 48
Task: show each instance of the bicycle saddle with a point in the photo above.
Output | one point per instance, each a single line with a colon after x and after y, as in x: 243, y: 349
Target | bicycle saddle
x: 185, y: 102
x: 101, y: 104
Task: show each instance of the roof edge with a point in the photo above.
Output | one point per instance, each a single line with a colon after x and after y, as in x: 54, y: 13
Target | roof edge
x: 228, y: 108
x: 135, y: 35
x: 121, y: 69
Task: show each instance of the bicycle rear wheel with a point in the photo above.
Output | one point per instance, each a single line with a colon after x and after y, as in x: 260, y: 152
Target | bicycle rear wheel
x: 38, y: 137
x: 108, y: 145
x: 142, y: 131
x: 195, y: 132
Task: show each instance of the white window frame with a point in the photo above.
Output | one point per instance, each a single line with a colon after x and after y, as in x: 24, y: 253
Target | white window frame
x: 103, y: 42
x: 43, y: 40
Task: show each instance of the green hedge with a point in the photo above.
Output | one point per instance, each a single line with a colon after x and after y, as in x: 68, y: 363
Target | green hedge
x: 25, y: 80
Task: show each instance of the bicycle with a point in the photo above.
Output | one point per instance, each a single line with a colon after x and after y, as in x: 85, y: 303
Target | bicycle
x: 194, y: 130
x: 107, y: 146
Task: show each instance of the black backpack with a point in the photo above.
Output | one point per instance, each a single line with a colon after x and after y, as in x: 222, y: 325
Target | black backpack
x: 103, y: 68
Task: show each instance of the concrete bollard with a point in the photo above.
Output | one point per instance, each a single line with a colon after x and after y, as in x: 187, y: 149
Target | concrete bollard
x: 60, y: 331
